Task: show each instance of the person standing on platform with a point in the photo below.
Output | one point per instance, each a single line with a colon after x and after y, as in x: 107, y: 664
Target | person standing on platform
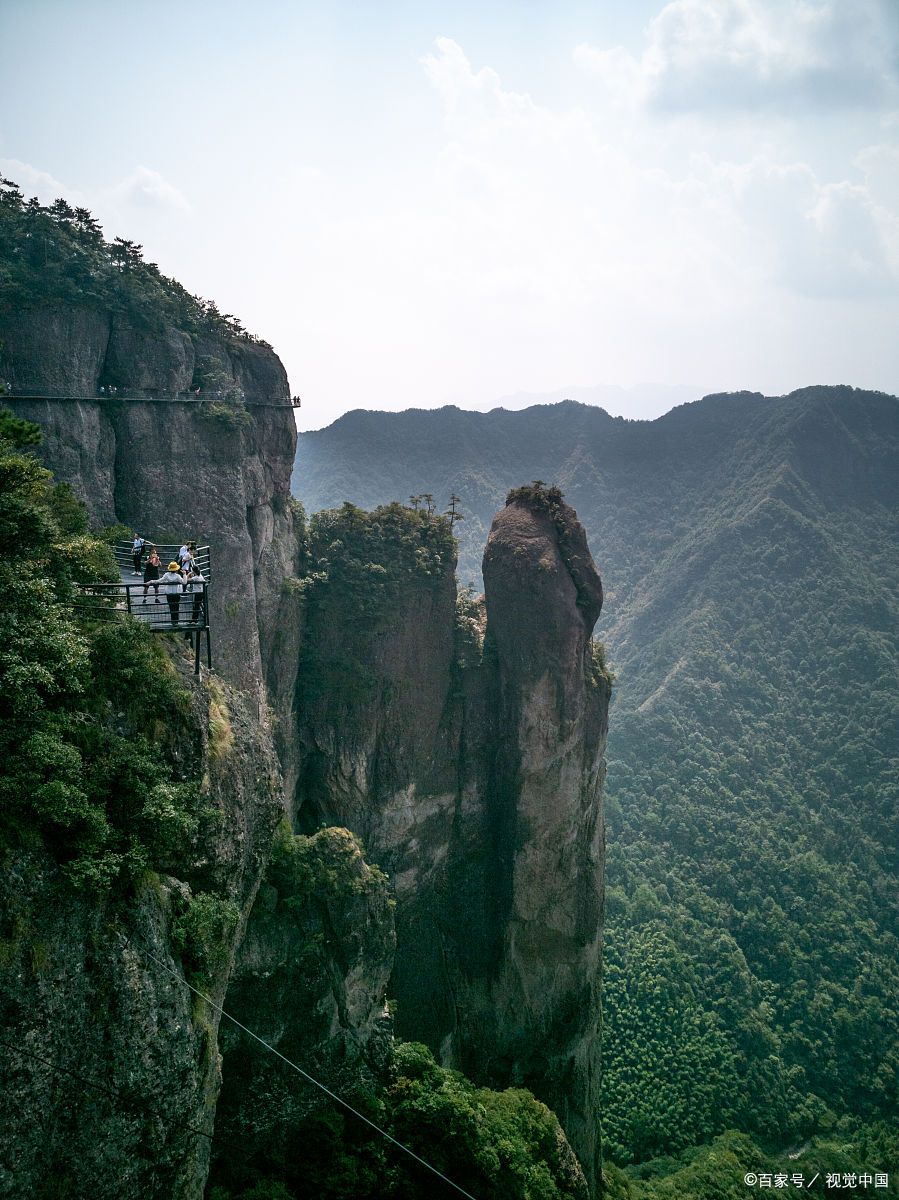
x: 151, y: 572
x: 196, y: 584
x: 172, y: 584
x: 137, y: 552
x: 187, y: 557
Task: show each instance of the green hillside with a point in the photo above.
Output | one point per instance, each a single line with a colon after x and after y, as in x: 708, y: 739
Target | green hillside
x: 748, y: 549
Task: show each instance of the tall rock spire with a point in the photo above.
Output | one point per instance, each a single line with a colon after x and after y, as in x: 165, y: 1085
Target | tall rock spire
x: 547, y: 707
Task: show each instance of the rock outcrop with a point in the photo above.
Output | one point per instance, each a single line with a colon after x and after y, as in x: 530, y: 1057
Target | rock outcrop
x: 539, y: 1009
x: 311, y: 980
x: 475, y: 781
x: 70, y: 351
x: 173, y: 469
x: 98, y: 989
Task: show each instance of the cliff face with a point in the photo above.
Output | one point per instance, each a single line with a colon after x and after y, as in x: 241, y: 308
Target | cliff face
x: 475, y: 782
x: 110, y: 1065
x: 311, y: 980
x: 547, y: 711
x: 80, y: 988
x: 173, y: 470
x: 67, y: 350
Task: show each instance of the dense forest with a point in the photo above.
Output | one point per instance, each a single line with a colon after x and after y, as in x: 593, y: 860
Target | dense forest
x: 751, y: 619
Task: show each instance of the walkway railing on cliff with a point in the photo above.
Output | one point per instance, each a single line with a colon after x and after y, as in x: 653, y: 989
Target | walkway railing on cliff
x: 167, y: 553
x: 184, y: 610
x: 150, y: 397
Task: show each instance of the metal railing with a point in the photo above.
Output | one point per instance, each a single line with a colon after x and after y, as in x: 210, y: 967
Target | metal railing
x: 167, y: 553
x: 184, y: 611
x: 13, y: 392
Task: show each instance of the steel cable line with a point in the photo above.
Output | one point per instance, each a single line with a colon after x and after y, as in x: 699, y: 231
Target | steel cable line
x: 305, y: 1074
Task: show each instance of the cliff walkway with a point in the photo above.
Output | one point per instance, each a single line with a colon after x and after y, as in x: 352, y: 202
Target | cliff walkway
x: 156, y: 397
x: 161, y: 611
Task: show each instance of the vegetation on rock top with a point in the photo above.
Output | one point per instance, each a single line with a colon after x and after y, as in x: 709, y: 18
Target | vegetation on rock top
x: 363, y: 564
x: 496, y: 1145
x: 56, y: 254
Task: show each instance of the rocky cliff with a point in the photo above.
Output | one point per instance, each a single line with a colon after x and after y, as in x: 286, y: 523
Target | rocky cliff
x: 110, y: 1064
x: 474, y: 778
x: 311, y: 980
x: 172, y: 469
x: 462, y: 742
x: 538, y: 1010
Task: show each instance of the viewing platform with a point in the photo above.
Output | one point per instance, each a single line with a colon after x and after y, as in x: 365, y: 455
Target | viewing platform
x: 161, y: 607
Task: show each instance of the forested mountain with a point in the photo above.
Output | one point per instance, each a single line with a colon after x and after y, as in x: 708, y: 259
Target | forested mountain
x: 747, y: 546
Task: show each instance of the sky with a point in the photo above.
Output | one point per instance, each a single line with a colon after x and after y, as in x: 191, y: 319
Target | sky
x: 420, y: 203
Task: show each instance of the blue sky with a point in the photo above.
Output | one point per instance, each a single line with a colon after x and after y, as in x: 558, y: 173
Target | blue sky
x: 422, y: 203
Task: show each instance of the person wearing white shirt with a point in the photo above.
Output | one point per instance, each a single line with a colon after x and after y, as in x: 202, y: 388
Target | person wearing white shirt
x: 172, y: 584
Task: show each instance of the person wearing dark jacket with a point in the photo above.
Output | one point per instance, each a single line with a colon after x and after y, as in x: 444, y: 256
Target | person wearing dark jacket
x: 151, y: 572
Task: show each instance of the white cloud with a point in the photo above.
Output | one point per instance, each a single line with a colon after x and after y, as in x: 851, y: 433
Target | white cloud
x: 537, y: 244
x: 792, y: 55
x: 145, y: 188
x: 34, y: 182
x: 880, y: 165
x: 824, y: 240
x: 549, y: 211
x: 519, y: 243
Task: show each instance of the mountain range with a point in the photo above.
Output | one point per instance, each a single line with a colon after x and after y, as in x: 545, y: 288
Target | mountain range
x: 747, y: 548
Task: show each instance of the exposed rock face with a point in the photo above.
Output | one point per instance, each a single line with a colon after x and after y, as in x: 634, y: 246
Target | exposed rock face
x: 140, y: 359
x: 539, y: 1021
x: 477, y: 785
x: 71, y: 351
x: 54, y: 351
x: 311, y: 980
x: 370, y: 771
x: 172, y: 470
x: 80, y: 992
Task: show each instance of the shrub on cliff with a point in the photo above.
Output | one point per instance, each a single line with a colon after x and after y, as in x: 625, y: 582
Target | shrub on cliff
x: 368, y: 557
x: 328, y: 864
x: 81, y: 709
x: 496, y: 1145
x: 204, y: 934
x: 363, y: 563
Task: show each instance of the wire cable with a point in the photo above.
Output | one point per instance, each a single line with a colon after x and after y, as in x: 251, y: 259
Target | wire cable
x: 305, y: 1074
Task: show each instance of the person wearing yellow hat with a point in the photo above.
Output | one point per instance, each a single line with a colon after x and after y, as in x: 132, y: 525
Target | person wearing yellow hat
x: 172, y: 583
